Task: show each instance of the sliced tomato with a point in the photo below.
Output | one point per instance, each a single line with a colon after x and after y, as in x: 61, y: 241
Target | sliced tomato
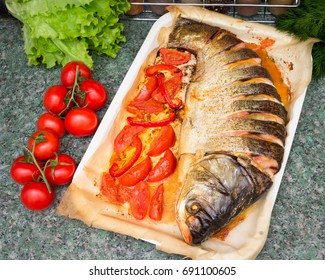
x: 147, y: 89
x: 139, y: 202
x: 125, y: 193
x: 137, y: 173
x: 164, y: 167
x: 164, y: 140
x: 156, y: 203
x: 174, y: 57
x: 109, y: 188
x: 172, y: 87
x: 147, y: 107
x: 124, y: 138
x: 161, y: 68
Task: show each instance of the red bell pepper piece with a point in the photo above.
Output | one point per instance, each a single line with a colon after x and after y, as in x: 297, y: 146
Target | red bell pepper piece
x: 166, y: 95
x: 158, y: 123
x: 115, y: 171
x: 125, y: 137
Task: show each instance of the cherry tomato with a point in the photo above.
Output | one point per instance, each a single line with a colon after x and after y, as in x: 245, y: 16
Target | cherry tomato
x: 164, y: 167
x: 156, y: 203
x: 81, y: 122
x: 23, y: 171
x: 93, y: 95
x: 68, y: 73
x: 139, y: 202
x: 164, y: 140
x: 35, y: 196
x: 137, y: 173
x: 56, y: 100
x: 48, y: 121
x: 147, y: 89
x: 174, y: 57
x: 59, y: 169
x: 44, y: 143
x: 125, y: 137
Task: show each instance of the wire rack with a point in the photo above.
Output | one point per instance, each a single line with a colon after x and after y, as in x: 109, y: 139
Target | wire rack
x: 153, y: 9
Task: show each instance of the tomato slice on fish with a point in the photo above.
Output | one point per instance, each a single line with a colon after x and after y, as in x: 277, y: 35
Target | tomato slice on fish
x: 174, y: 57
x: 147, y: 89
x: 156, y: 204
x: 164, y: 140
x: 164, y: 167
x: 139, y: 202
x: 124, y: 138
x: 137, y: 173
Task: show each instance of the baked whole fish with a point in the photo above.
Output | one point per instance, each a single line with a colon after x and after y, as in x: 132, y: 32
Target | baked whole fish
x: 233, y: 125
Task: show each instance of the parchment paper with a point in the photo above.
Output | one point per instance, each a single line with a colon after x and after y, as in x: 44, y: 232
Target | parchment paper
x: 81, y: 200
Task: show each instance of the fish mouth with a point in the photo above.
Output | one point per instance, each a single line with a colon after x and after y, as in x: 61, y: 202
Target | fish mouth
x: 200, y: 219
x: 196, y: 220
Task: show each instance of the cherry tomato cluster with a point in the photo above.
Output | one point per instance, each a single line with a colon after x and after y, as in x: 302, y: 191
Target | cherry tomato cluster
x: 70, y: 108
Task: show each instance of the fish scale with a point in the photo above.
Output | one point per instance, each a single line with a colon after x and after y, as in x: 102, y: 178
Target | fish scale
x: 233, y: 147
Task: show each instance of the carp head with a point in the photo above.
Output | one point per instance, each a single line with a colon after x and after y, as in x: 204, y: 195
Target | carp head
x: 216, y: 189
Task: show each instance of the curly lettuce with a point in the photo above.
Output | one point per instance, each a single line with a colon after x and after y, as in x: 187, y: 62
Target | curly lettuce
x: 56, y: 32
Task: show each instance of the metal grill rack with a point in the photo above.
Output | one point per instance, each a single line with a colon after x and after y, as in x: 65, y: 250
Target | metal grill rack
x: 263, y: 15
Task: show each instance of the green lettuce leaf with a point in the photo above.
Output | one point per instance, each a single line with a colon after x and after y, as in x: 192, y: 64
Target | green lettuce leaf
x: 56, y: 32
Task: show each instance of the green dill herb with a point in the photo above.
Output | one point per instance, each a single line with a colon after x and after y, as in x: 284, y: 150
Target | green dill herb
x: 305, y: 21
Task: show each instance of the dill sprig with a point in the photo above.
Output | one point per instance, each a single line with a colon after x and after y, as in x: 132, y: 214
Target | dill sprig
x: 305, y: 21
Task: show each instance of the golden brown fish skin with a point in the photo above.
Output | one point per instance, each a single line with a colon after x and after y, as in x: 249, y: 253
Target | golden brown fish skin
x: 211, y: 80
x: 229, y: 57
x: 191, y: 35
x: 224, y: 59
x: 234, y: 127
x: 249, y: 125
x: 257, y: 106
x: 218, y: 187
x: 249, y: 90
x: 232, y: 145
x: 219, y: 43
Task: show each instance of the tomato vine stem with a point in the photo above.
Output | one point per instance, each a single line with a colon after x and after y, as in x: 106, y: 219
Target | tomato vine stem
x: 73, y: 91
x: 31, y: 153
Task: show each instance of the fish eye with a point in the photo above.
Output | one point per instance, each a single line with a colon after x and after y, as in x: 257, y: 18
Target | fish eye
x: 193, y: 207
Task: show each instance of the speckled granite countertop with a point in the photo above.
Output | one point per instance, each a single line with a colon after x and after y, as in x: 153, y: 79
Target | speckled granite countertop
x: 297, y: 229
